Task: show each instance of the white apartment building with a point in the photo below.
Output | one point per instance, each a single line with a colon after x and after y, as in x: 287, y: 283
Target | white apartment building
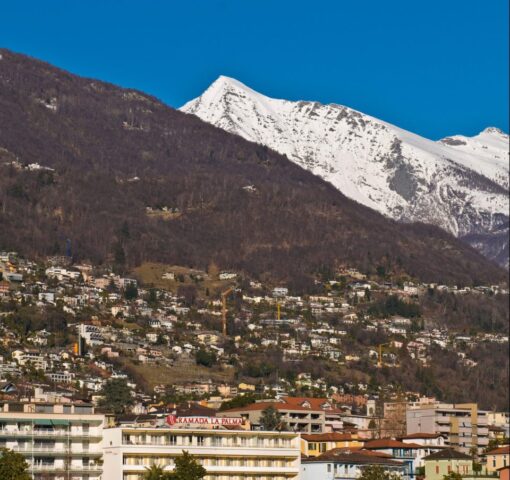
x: 463, y: 426
x: 58, y: 441
x: 225, y: 454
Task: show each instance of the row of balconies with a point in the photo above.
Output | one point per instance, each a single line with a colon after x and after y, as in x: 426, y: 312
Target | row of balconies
x: 185, y: 441
x: 64, y: 468
x: 48, y: 433
x: 57, y: 451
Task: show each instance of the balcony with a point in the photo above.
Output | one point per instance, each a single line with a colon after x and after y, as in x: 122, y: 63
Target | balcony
x: 48, y: 433
x: 56, y: 451
x: 66, y: 468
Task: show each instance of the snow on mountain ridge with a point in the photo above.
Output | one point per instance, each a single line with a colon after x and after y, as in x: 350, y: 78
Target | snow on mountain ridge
x: 459, y: 183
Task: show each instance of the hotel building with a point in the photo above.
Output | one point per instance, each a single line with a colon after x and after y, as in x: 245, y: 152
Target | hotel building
x: 225, y: 454
x: 58, y: 441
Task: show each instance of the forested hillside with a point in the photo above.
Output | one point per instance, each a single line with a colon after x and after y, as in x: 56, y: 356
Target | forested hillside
x: 128, y: 179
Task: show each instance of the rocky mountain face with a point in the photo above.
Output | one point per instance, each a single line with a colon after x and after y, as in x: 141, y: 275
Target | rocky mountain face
x: 128, y: 180
x: 459, y: 183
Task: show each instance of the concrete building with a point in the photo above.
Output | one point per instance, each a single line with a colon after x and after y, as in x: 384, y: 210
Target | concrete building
x: 300, y: 414
x: 58, y: 441
x: 225, y: 454
x: 463, y: 426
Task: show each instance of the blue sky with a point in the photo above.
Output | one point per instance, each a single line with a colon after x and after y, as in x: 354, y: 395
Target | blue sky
x: 434, y: 67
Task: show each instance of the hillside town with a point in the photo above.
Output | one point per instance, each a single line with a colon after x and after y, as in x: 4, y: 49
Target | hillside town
x: 105, y: 374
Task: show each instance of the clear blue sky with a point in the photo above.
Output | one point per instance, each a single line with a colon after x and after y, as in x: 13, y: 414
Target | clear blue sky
x: 436, y: 67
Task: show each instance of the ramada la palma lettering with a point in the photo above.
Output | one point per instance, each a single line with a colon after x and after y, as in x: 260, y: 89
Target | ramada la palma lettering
x: 174, y: 419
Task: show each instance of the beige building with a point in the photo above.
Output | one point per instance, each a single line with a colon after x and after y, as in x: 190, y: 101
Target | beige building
x: 58, y: 441
x: 498, y: 459
x: 300, y: 414
x: 439, y: 464
x: 463, y: 426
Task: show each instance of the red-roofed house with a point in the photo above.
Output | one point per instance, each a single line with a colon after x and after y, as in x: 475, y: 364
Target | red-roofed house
x: 498, y: 458
x: 301, y: 414
x: 411, y: 454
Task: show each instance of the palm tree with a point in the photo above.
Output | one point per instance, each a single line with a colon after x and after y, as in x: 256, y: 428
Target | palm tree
x: 154, y: 473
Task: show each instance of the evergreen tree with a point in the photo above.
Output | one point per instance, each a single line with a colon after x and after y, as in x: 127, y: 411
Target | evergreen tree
x: 187, y: 468
x: 271, y: 419
x: 13, y: 466
x: 116, y: 396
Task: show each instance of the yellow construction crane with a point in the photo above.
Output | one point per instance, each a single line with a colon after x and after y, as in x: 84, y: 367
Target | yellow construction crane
x: 379, y: 355
x: 224, y: 296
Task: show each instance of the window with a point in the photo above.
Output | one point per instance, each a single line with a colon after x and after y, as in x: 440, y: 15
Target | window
x: 437, y: 468
x: 329, y: 467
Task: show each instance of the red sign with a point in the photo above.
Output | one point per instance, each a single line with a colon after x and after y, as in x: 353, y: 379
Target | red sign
x: 225, y: 421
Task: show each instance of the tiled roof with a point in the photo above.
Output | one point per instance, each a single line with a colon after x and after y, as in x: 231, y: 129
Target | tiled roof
x: 289, y: 403
x: 390, y: 443
x: 500, y: 451
x: 359, y: 457
x: 448, y: 454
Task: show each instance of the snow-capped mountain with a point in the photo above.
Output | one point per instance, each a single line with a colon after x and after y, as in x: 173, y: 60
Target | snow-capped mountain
x: 459, y: 183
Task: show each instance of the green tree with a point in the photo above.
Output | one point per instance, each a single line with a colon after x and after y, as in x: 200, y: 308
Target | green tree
x: 187, y: 468
x: 155, y: 473
x: 271, y: 419
x: 116, y: 396
x: 376, y: 472
x: 477, y: 467
x: 13, y: 466
x: 205, y: 358
x: 119, y: 256
x: 130, y: 292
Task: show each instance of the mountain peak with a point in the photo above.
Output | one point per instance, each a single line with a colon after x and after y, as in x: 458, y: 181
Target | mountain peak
x: 458, y: 183
x: 494, y: 131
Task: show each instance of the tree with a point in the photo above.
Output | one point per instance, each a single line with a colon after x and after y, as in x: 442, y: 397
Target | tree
x: 271, y: 419
x: 130, y: 292
x: 116, y: 396
x: 187, y: 468
x: 376, y: 472
x: 205, y: 358
x: 155, y: 473
x: 13, y: 466
x: 477, y: 467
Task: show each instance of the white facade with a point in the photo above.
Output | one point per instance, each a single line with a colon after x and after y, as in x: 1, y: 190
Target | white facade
x: 225, y: 454
x: 58, y: 441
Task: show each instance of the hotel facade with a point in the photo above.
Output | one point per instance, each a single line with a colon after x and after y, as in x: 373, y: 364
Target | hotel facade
x: 59, y: 441
x: 225, y: 454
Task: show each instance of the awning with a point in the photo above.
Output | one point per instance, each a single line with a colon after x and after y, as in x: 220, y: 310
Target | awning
x: 41, y: 421
x: 60, y: 422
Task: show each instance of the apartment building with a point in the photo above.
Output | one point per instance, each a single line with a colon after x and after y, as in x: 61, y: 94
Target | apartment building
x: 300, y: 414
x: 225, y: 454
x: 58, y: 441
x: 463, y: 426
